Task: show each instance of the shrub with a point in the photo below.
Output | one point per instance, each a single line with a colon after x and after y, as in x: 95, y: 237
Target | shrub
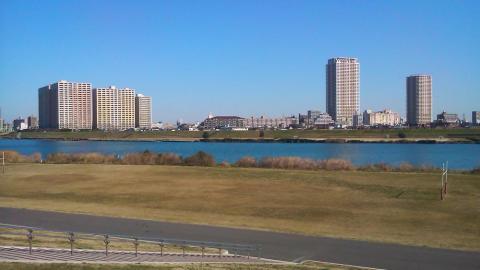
x: 406, y: 167
x: 145, y: 158
x: 205, y: 135
x: 287, y: 163
x: 15, y: 157
x: 168, y: 159
x: 246, y: 162
x: 200, y: 159
x: 224, y: 164
x: 376, y: 167
x: 335, y: 164
x: 402, y: 135
x: 476, y: 170
x: 85, y: 158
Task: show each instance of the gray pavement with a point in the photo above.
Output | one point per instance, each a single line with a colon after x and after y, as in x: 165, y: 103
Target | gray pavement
x: 280, y: 246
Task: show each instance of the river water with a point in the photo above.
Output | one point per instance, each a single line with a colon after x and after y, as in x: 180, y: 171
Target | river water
x: 459, y: 156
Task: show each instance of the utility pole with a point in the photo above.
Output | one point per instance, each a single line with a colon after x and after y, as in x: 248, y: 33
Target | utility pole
x: 3, y: 162
x: 444, y: 182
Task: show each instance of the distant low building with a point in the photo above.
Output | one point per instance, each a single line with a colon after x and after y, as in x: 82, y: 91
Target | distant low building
x: 381, y: 118
x: 357, y: 120
x: 32, y: 122
x: 476, y: 117
x: 222, y: 122
x: 302, y: 120
x: 447, y: 119
x: 266, y: 122
x: 5, y: 127
x: 19, y: 124
x: 323, y: 120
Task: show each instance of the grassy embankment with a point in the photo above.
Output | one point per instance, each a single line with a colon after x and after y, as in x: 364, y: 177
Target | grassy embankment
x: 379, y: 206
x: 460, y: 134
x: 17, y: 237
x: 307, y: 266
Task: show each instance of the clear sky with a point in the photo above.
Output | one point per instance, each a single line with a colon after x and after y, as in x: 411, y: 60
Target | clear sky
x: 239, y: 57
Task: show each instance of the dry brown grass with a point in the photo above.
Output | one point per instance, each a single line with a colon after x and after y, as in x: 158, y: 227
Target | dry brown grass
x: 379, y: 206
x: 206, y: 266
x: 11, y: 237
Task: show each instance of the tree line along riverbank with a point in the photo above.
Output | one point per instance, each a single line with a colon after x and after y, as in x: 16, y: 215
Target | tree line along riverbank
x: 418, y: 135
x: 204, y: 159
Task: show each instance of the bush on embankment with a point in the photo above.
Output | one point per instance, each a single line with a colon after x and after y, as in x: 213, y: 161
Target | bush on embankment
x: 15, y: 157
x: 206, y: 160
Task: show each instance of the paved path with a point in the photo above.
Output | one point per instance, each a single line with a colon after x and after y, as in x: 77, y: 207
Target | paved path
x: 281, y: 246
x: 63, y: 255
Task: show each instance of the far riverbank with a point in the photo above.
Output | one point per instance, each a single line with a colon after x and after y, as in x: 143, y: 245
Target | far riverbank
x: 460, y: 135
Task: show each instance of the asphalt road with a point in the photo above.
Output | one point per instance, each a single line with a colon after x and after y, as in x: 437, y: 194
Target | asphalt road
x: 281, y: 246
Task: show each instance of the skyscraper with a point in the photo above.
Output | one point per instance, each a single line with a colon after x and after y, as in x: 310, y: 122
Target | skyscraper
x: 143, y: 112
x: 113, y: 108
x: 65, y: 105
x: 343, y: 89
x: 419, y: 100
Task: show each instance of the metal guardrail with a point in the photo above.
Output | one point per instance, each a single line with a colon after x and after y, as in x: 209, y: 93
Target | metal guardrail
x: 72, y: 237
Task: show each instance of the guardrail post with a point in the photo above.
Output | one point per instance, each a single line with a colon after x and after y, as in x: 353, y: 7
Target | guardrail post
x: 161, y: 248
x: 220, y: 252
x: 183, y: 249
x: 203, y: 251
x: 135, y: 243
x: 71, y: 239
x: 30, y: 240
x: 106, y: 241
x: 259, y: 250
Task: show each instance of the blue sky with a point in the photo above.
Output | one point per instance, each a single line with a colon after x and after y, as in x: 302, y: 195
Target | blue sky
x: 239, y: 57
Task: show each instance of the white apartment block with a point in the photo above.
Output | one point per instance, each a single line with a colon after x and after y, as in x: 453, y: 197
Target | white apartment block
x: 343, y: 89
x: 419, y: 99
x: 381, y: 118
x: 143, y: 112
x: 66, y: 105
x: 266, y: 122
x: 114, y: 109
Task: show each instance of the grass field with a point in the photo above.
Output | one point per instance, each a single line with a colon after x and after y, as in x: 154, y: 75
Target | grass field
x: 310, y: 266
x: 421, y: 133
x: 388, y: 207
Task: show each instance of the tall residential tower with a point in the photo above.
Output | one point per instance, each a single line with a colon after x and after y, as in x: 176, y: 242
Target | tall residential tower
x: 143, y: 112
x: 343, y: 89
x: 113, y: 108
x: 419, y: 100
x: 65, y: 105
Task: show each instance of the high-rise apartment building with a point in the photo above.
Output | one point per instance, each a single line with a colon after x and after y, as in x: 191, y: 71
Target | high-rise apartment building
x: 113, y: 108
x: 476, y: 117
x: 343, y: 89
x: 419, y: 100
x: 65, y: 105
x: 143, y: 112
